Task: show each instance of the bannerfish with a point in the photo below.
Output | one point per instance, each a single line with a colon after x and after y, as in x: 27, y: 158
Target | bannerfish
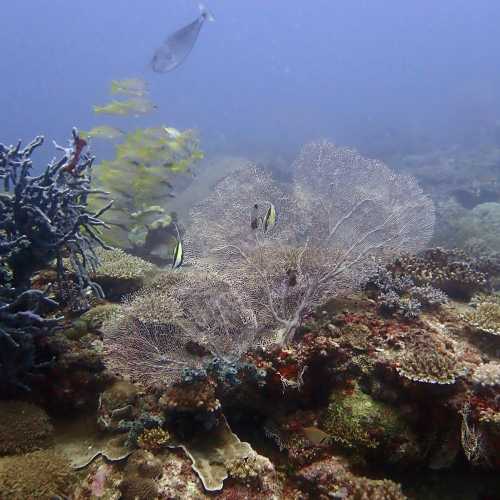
x: 270, y: 218
x: 179, y: 44
x: 178, y: 254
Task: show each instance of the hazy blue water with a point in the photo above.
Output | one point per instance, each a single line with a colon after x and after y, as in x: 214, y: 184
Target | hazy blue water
x: 267, y: 75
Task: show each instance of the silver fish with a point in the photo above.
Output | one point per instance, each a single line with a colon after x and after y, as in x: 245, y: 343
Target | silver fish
x: 179, y: 44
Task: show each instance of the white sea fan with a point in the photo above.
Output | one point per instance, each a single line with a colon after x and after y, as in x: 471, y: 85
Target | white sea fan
x: 343, y: 216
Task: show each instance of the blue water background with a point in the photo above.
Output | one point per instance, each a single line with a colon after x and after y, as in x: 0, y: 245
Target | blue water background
x: 267, y: 75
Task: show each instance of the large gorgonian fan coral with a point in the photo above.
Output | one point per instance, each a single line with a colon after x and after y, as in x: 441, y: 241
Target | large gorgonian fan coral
x: 343, y: 216
x: 42, y: 218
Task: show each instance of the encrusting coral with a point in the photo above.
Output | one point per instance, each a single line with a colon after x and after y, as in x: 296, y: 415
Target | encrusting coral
x: 140, y: 476
x: 24, y: 427
x: 329, y: 478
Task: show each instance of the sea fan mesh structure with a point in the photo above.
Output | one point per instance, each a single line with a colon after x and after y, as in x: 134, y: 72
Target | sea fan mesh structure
x: 344, y: 216
x: 220, y: 229
x: 175, y: 325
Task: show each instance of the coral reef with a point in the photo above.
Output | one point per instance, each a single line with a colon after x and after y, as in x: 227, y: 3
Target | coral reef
x: 343, y: 213
x: 24, y: 427
x: 461, y: 227
x: 43, y: 218
x: 328, y: 393
x: 39, y: 474
x: 330, y: 479
x: 449, y: 270
x: 485, y: 316
x: 119, y: 273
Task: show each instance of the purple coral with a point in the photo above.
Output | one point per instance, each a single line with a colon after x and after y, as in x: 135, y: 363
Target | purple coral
x: 42, y: 218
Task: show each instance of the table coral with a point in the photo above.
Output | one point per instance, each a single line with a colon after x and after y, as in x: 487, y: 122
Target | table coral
x: 429, y: 366
x: 485, y: 317
x: 120, y: 273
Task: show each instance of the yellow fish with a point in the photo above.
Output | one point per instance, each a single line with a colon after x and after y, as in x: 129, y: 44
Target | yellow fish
x: 316, y: 436
x: 103, y: 132
x: 135, y: 87
x: 123, y: 108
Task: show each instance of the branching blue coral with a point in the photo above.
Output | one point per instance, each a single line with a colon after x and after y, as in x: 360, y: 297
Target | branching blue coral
x: 42, y: 219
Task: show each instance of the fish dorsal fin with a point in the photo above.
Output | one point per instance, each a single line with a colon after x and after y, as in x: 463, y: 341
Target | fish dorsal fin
x: 206, y: 13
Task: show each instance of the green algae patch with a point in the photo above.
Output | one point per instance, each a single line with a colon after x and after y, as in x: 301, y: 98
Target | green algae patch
x: 355, y: 420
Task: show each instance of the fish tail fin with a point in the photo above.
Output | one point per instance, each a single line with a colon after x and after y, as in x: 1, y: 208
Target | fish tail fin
x: 205, y: 12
